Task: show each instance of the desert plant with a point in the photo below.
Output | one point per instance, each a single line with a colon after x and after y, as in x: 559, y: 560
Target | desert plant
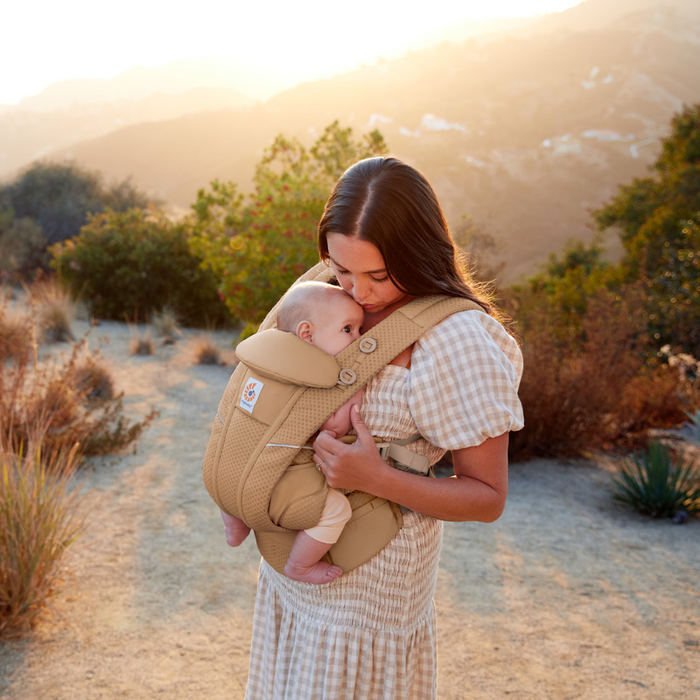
x: 93, y: 380
x: 39, y: 520
x: 16, y: 335
x: 205, y: 352
x: 165, y: 324
x: 55, y: 310
x: 48, y: 392
x: 658, y: 482
x: 141, y: 345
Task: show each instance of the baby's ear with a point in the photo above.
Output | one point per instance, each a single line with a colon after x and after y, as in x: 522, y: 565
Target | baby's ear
x: 305, y: 331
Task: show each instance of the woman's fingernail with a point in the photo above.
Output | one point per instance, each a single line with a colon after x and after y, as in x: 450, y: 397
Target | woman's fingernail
x: 356, y: 409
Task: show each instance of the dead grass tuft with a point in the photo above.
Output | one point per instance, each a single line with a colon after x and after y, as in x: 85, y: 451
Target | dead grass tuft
x: 55, y: 310
x: 141, y: 345
x: 39, y: 520
x: 205, y: 352
x: 165, y: 324
x: 93, y: 379
x: 16, y: 335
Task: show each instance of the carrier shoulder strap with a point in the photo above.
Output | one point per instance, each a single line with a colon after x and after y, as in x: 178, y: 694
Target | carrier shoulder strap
x: 358, y: 363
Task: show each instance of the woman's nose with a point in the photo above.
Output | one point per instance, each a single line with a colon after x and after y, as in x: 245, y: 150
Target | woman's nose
x: 359, y: 290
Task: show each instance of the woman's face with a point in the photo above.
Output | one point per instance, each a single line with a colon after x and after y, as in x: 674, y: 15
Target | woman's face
x: 361, y: 271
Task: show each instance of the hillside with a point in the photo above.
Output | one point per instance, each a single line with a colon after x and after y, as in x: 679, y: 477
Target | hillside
x: 525, y: 134
x: 33, y: 129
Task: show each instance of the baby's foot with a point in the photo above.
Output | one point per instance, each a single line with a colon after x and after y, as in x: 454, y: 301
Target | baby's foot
x: 318, y: 573
x: 236, y: 535
x: 236, y: 530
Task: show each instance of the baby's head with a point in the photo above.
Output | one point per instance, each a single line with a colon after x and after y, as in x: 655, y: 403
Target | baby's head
x: 323, y: 315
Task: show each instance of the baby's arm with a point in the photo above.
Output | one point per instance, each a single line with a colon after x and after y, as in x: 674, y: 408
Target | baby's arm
x: 339, y: 422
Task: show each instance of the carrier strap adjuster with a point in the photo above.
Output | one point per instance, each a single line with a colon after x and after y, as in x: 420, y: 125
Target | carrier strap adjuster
x: 405, y: 460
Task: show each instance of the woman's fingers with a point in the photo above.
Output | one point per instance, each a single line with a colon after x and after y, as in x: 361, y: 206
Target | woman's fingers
x: 326, y: 440
x: 358, y: 423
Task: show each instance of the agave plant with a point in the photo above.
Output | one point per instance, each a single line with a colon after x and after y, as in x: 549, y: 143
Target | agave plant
x: 658, y: 483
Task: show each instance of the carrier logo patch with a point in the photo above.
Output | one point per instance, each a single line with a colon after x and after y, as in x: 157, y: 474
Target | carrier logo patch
x: 251, y: 394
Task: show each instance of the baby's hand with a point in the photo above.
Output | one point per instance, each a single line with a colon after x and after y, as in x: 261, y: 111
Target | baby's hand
x: 236, y: 530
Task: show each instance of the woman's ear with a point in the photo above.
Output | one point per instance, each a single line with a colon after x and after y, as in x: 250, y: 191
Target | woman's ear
x: 305, y: 331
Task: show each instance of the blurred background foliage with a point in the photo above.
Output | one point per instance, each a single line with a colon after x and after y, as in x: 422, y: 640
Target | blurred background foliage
x: 591, y: 330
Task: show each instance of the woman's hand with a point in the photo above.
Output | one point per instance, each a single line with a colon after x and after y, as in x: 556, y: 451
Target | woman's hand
x: 354, y: 467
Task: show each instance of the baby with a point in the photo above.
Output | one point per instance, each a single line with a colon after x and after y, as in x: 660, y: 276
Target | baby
x: 330, y: 320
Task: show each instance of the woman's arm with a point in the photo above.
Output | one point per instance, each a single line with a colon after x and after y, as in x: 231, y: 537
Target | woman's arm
x: 476, y: 492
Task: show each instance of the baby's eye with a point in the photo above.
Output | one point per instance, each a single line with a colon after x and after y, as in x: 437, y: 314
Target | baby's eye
x: 347, y: 329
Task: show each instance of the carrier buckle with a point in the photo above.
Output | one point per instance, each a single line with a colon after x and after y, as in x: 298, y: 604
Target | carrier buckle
x: 368, y: 345
x: 347, y: 377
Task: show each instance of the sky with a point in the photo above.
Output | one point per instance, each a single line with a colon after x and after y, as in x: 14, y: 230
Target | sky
x: 45, y: 41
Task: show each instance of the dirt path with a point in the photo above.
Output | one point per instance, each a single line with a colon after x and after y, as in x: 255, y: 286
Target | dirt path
x: 566, y: 596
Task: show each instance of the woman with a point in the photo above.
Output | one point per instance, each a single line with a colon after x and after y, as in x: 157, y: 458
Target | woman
x: 371, y: 633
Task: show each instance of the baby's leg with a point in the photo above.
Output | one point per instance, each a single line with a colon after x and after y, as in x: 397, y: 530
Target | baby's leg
x: 304, y: 565
x: 236, y: 530
x: 309, y: 546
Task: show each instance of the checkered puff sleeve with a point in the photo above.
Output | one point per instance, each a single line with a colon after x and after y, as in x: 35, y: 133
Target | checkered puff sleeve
x: 465, y: 373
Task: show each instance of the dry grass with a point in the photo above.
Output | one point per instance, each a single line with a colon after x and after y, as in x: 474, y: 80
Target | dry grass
x: 93, y: 379
x: 55, y: 310
x: 139, y: 345
x: 16, y: 335
x: 59, y: 393
x: 39, y: 520
x: 165, y: 324
x: 204, y: 351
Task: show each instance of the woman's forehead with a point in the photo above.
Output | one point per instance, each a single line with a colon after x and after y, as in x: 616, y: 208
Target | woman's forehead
x: 354, y: 254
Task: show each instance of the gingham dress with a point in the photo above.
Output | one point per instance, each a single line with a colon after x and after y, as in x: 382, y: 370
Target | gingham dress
x: 370, y: 635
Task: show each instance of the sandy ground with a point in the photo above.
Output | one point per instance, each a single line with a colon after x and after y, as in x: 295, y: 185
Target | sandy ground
x: 568, y: 595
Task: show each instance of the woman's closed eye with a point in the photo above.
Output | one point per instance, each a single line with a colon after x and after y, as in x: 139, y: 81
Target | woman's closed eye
x: 375, y: 279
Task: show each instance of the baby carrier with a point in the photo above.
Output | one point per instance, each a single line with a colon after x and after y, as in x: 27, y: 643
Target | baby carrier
x: 257, y: 465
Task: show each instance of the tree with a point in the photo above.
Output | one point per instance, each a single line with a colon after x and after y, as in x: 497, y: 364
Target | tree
x: 658, y: 220
x: 59, y: 197
x: 259, y: 244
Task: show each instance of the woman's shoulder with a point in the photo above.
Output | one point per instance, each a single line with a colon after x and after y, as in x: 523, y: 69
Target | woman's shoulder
x: 469, y: 332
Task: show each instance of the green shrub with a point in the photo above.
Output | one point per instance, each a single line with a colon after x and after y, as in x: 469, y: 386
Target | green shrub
x: 658, y: 483
x: 136, y: 262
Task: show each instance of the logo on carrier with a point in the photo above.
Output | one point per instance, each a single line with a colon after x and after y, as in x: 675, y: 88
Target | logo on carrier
x: 251, y: 394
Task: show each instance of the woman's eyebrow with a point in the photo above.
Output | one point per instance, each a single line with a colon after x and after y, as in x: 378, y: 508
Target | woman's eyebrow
x: 367, y: 272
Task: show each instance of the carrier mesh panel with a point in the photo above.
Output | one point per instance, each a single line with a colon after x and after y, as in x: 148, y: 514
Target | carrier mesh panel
x: 243, y: 431
x: 210, y: 455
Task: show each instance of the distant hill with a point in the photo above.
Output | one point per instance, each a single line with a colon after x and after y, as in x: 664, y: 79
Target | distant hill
x: 138, y: 83
x: 27, y: 135
x: 527, y: 132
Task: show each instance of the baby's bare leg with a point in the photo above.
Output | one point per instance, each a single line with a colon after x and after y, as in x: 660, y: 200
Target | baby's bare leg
x: 304, y: 564
x: 236, y: 530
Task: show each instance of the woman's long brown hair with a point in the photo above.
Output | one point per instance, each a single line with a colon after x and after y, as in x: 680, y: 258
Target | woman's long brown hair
x: 390, y: 204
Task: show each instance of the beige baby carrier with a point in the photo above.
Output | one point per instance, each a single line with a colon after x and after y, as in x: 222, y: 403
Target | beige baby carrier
x: 257, y: 465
